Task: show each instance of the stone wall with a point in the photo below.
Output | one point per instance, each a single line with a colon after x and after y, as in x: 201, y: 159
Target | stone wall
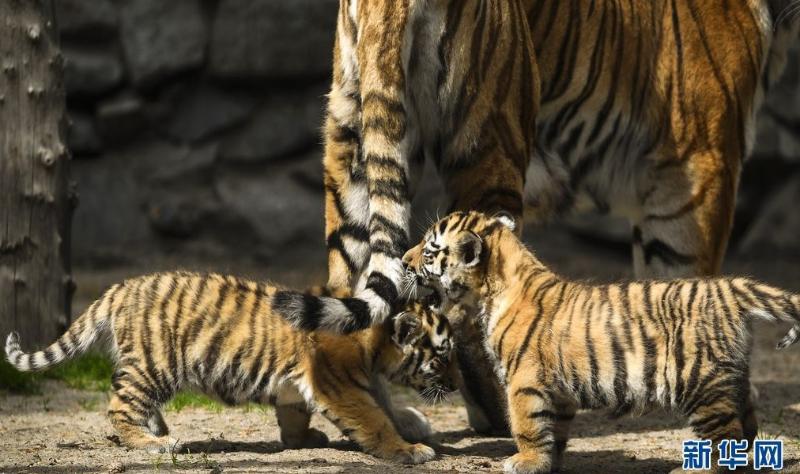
x: 195, y: 128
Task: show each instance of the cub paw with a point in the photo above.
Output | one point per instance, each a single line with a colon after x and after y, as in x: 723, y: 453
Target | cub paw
x: 412, y: 425
x: 414, y: 454
x: 312, y: 438
x: 526, y: 464
x: 164, y: 446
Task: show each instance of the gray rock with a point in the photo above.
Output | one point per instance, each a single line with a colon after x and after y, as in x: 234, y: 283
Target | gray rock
x: 86, y: 19
x: 776, y: 137
x: 283, y: 125
x: 109, y: 225
x: 308, y: 170
x: 183, y: 164
x: 778, y: 224
x: 120, y: 119
x: 273, y: 38
x: 176, y: 215
x: 82, y: 136
x: 161, y: 38
x: 91, y: 72
x: 206, y: 110
x: 282, y: 211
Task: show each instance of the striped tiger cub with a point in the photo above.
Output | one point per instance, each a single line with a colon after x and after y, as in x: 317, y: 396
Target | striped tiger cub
x: 220, y: 335
x: 561, y: 345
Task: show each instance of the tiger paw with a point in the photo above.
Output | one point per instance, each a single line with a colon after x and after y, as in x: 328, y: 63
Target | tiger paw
x: 164, y: 445
x: 414, y: 454
x: 523, y: 463
x: 412, y: 425
x: 312, y: 438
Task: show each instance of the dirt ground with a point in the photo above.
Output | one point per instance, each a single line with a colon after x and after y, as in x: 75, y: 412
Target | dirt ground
x: 66, y: 430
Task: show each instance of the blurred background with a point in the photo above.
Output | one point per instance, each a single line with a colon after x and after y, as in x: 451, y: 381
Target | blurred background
x: 195, y: 131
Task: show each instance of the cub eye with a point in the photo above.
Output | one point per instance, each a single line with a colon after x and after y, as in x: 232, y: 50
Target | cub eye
x: 427, y: 253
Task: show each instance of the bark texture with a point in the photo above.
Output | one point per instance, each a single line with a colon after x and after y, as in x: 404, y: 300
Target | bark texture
x: 36, y: 199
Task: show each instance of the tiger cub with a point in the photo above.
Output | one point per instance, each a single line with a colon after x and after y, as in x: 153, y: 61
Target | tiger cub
x: 220, y: 335
x: 561, y: 345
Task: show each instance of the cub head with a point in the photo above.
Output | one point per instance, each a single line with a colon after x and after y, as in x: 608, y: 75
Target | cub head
x: 452, y: 255
x: 424, y: 359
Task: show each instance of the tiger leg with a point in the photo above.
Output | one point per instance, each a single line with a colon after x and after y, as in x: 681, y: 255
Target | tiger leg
x: 687, y: 216
x: 363, y: 420
x: 564, y: 414
x: 346, y: 199
x: 483, y: 394
x: 131, y: 410
x: 388, y: 142
x: 749, y: 421
x: 156, y: 424
x: 532, y: 414
x: 294, y: 418
x: 717, y: 420
x: 412, y: 424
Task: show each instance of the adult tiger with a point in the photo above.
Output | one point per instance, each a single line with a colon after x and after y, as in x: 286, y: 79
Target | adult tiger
x: 645, y: 110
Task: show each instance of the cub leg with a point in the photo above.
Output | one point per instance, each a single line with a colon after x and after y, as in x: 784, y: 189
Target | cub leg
x: 130, y: 414
x: 412, y: 425
x: 716, y: 420
x: 363, y: 420
x: 749, y: 422
x: 564, y: 413
x: 156, y: 424
x: 294, y: 418
x: 532, y: 414
x: 483, y: 394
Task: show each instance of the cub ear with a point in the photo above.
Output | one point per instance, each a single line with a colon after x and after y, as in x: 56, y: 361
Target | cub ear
x: 469, y: 249
x: 407, y: 328
x: 506, y: 219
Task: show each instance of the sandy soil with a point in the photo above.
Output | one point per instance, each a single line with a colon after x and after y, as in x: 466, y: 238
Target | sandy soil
x: 66, y: 430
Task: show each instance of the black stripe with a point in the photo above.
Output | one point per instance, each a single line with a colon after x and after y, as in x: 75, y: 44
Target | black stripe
x: 657, y: 248
x: 383, y: 287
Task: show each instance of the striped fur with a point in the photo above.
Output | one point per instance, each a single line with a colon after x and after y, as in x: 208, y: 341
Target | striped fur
x: 560, y: 345
x: 648, y: 112
x: 221, y: 335
x: 639, y: 109
x: 404, y: 87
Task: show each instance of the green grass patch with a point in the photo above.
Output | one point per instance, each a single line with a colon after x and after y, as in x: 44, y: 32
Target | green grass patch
x: 91, y: 371
x: 15, y: 381
x: 193, y: 400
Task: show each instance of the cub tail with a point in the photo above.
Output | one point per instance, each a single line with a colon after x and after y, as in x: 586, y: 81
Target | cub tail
x: 310, y: 312
x: 771, y: 304
x: 78, y: 338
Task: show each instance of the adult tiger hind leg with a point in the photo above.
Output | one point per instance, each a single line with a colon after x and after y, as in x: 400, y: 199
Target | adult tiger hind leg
x: 687, y: 215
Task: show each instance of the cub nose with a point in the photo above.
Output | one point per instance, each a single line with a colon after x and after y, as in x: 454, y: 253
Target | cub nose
x: 410, y: 256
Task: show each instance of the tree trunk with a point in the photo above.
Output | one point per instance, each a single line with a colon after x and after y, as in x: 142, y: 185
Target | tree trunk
x: 36, y: 200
